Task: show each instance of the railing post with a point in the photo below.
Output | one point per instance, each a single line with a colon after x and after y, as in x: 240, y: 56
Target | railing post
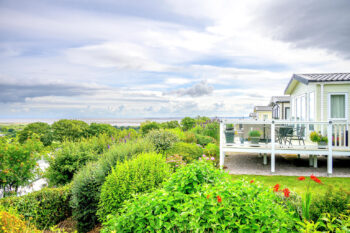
x: 222, y: 139
x: 330, y: 149
x: 273, y: 146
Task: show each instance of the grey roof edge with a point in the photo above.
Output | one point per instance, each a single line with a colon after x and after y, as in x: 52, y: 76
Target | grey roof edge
x: 298, y: 78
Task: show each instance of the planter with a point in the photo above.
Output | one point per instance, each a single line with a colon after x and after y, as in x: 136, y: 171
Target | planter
x: 241, y: 140
x: 230, y: 136
x: 322, y: 145
x: 254, y: 141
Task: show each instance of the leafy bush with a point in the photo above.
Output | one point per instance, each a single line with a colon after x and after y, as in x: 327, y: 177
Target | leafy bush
x: 148, y: 126
x: 43, y: 130
x: 178, y: 132
x: 200, y: 198
x: 333, y: 202
x: 204, y: 140
x: 70, y: 158
x: 43, y: 208
x: 188, y: 123
x: 316, y: 137
x: 175, y: 162
x: 96, y: 129
x: 69, y: 130
x: 12, y: 222
x: 162, y: 139
x: 141, y: 174
x: 170, y: 125
x: 189, y: 151
x: 190, y: 137
x: 254, y: 133
x: 18, y: 164
x: 212, y: 129
x: 87, y: 182
x: 212, y: 150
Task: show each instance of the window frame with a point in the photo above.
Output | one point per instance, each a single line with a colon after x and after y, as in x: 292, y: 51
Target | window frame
x: 346, y: 105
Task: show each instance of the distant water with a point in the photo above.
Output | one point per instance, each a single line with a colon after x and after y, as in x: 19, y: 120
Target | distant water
x: 111, y: 121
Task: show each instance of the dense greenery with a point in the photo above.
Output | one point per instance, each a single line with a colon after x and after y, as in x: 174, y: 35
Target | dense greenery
x: 201, y: 198
x: 188, y: 151
x: 69, y: 130
x: 162, y: 139
x: 88, y: 181
x: 43, y: 130
x: 18, y: 164
x: 141, y: 174
x: 43, y: 208
x: 148, y: 126
x: 188, y: 123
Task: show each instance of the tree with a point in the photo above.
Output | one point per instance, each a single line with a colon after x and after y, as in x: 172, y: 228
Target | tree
x: 170, y: 124
x: 148, y: 126
x: 188, y: 123
x: 18, y: 163
x: 69, y: 130
x: 95, y: 129
x: 43, y: 130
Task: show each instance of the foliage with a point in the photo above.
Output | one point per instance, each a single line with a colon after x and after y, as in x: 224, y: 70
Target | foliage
x: 190, y: 137
x: 139, y: 175
x: 67, y: 160
x: 43, y: 208
x: 202, y: 119
x: 333, y: 202
x: 175, y: 162
x: 162, y: 139
x: 96, y: 129
x: 317, y: 137
x: 204, y: 140
x: 200, y: 198
x: 43, y: 130
x: 212, y: 129
x: 254, y: 133
x: 229, y: 126
x: 188, y: 151
x: 212, y: 150
x: 170, y: 125
x: 14, y: 223
x: 18, y: 164
x: 69, y: 130
x: 326, y: 223
x: 188, y: 123
x: 178, y: 132
x: 148, y: 126
x: 88, y: 181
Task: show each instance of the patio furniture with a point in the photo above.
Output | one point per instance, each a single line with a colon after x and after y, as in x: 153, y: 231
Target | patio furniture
x: 299, y: 136
x: 283, y: 133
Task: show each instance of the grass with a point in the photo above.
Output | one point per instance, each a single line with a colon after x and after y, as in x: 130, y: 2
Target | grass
x: 292, y: 183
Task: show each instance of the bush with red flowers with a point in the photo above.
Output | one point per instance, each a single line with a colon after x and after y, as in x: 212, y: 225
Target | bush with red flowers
x: 201, y: 198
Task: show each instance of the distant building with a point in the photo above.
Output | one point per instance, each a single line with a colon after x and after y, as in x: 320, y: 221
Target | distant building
x: 280, y: 107
x: 262, y: 113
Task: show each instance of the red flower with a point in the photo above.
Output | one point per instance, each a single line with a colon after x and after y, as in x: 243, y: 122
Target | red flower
x: 317, y: 180
x: 276, y: 187
x: 208, y: 196
x: 219, y: 199
x: 286, y: 192
x: 312, y: 177
x: 301, y: 178
x: 252, y: 181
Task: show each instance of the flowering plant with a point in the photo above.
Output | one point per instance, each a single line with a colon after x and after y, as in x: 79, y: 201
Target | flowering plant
x: 306, y: 202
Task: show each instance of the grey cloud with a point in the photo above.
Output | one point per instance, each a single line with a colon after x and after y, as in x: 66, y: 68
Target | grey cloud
x: 310, y: 24
x: 11, y: 93
x: 200, y: 89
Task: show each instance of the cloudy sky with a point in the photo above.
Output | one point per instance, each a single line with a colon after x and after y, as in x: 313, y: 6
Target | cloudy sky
x: 153, y: 58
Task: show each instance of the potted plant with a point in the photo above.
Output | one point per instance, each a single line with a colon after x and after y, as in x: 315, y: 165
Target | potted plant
x: 322, y: 141
x: 229, y: 133
x: 254, y: 137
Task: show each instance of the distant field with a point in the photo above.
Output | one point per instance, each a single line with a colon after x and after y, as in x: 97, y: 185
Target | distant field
x: 292, y: 182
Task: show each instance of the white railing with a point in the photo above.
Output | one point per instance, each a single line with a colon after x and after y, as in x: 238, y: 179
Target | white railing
x: 337, y: 133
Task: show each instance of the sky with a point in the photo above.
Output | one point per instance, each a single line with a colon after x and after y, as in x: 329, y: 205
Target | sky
x: 170, y: 58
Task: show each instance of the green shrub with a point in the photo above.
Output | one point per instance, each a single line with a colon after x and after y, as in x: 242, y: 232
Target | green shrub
x: 212, y: 150
x: 190, y: 137
x: 189, y: 151
x: 148, y: 126
x: 69, y: 130
x: 14, y: 223
x: 254, y: 133
x: 333, y: 202
x: 43, y: 208
x: 212, y: 129
x: 200, y: 198
x: 88, y: 181
x: 139, y: 175
x: 204, y: 140
x: 96, y: 129
x: 175, y: 162
x: 178, y: 132
x: 188, y: 123
x: 162, y: 139
x: 170, y: 125
x: 43, y: 130
x: 197, y: 130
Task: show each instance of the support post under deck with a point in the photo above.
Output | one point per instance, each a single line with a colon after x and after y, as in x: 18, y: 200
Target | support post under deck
x: 222, y: 138
x: 330, y: 149
x: 272, y: 146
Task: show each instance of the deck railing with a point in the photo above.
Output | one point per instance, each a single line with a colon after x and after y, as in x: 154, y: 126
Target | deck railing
x: 272, y: 141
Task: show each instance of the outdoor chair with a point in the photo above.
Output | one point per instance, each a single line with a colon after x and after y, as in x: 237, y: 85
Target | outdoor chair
x: 299, y: 136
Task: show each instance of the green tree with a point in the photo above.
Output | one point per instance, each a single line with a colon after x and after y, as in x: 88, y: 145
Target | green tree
x: 188, y: 123
x: 148, y: 126
x: 18, y: 164
x: 69, y: 130
x: 43, y: 130
x: 95, y: 129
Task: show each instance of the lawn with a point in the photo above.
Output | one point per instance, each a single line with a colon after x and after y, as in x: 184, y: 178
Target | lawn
x: 297, y: 186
